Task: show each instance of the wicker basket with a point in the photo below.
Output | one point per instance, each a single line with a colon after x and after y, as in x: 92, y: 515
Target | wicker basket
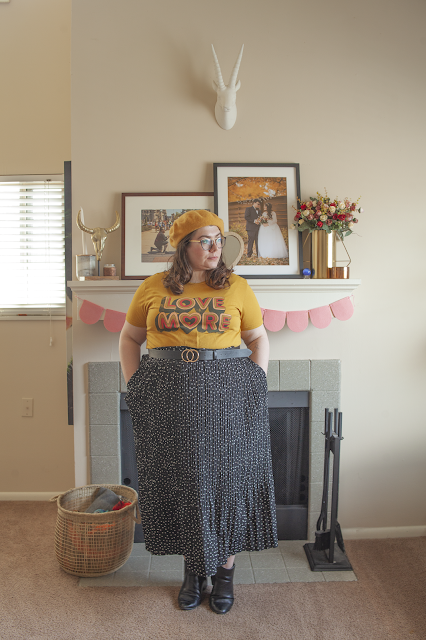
x: 94, y: 544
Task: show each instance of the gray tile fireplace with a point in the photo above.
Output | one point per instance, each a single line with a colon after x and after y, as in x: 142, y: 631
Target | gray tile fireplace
x: 321, y: 379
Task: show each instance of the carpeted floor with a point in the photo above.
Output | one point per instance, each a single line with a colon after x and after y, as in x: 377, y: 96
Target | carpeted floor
x: 38, y: 601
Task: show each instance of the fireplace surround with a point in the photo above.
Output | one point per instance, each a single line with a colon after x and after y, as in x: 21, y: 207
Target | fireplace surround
x: 105, y: 383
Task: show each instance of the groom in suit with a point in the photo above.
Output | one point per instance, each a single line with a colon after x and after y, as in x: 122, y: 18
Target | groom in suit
x: 251, y: 214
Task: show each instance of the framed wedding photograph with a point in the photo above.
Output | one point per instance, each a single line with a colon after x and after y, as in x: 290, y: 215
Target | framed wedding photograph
x: 146, y: 219
x: 256, y: 201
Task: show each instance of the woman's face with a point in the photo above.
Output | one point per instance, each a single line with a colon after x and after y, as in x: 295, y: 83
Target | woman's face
x: 199, y: 259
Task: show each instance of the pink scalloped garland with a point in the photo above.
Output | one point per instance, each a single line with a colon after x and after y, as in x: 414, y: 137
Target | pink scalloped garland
x: 114, y: 320
x: 90, y: 312
x: 297, y: 321
x: 273, y: 320
x: 321, y: 317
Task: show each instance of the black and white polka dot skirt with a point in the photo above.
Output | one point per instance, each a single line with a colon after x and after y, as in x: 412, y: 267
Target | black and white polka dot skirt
x: 203, y: 453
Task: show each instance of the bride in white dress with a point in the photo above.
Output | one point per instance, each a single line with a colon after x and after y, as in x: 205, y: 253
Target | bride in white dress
x: 270, y: 241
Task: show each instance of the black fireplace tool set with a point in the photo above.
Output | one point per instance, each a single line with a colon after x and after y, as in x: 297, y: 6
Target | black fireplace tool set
x: 322, y: 554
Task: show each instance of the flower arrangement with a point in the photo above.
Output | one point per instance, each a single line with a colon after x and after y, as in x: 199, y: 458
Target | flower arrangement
x: 322, y: 213
x: 264, y: 218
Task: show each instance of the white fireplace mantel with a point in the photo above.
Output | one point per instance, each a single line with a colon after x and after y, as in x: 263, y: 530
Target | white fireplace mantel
x: 277, y: 294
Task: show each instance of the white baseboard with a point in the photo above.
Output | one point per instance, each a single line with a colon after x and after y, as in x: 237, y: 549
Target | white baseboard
x: 362, y: 533
x: 41, y: 496
x: 384, y: 532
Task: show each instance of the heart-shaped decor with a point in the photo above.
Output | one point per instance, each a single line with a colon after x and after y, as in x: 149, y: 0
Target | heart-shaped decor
x: 189, y: 320
x: 233, y: 249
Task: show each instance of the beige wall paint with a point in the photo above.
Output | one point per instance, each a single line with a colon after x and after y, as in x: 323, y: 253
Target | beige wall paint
x: 335, y: 86
x: 36, y: 454
x: 35, y: 86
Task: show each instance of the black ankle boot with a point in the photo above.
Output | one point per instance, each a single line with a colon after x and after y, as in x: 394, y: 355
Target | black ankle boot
x: 191, y: 590
x: 222, y: 594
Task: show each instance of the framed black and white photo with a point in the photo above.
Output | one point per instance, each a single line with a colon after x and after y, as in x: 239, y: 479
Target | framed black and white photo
x: 256, y: 201
x: 146, y: 219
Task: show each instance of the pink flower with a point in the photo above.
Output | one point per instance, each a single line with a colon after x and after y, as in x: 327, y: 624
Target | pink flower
x: 349, y: 216
x: 309, y: 204
x: 311, y: 216
x: 329, y: 221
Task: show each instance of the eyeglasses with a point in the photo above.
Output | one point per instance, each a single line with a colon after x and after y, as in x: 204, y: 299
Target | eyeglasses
x: 207, y: 243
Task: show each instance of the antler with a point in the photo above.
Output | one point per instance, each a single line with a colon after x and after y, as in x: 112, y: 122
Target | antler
x: 218, y: 73
x: 236, y: 68
x: 115, y: 225
x: 81, y: 226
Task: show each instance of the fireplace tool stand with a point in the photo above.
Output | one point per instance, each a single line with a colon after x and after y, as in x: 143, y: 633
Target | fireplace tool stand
x: 322, y: 554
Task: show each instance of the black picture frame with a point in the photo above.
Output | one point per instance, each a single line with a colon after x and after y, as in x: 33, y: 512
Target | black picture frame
x: 290, y: 171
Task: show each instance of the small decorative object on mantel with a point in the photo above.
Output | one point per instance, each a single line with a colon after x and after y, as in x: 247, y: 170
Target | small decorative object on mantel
x: 99, y: 236
x: 110, y: 273
x: 85, y: 266
x: 110, y: 270
x: 327, y: 220
x: 226, y: 104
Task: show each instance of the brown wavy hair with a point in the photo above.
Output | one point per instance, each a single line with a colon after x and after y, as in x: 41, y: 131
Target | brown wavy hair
x: 180, y: 272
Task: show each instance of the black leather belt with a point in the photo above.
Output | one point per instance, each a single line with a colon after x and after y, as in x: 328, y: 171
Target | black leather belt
x: 193, y: 355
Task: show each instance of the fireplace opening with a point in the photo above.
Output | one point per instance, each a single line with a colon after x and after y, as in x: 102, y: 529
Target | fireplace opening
x: 289, y: 424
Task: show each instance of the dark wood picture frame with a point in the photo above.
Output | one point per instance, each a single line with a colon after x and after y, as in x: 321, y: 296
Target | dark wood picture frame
x: 132, y: 265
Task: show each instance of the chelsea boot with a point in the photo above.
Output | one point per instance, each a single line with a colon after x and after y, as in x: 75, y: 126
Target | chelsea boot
x: 191, y: 590
x: 222, y: 594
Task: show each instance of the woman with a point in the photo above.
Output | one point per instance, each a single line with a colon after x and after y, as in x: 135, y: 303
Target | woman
x: 199, y: 410
x: 270, y: 241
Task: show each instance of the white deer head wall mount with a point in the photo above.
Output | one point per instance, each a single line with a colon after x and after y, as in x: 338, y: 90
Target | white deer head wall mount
x: 226, y: 104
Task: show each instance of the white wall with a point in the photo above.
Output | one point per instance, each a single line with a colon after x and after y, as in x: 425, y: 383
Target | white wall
x: 336, y: 86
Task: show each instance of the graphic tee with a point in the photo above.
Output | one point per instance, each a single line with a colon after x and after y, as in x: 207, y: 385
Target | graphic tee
x: 199, y: 317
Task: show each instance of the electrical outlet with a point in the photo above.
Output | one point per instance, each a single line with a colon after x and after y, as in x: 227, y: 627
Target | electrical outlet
x: 27, y: 407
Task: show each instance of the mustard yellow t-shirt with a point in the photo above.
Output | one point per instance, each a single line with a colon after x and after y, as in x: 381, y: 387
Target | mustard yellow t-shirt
x: 199, y: 317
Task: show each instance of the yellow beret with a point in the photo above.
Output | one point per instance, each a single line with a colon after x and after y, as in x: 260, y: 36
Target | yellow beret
x: 191, y: 221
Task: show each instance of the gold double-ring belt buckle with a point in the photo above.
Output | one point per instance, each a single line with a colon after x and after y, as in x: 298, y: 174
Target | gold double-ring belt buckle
x: 190, y: 355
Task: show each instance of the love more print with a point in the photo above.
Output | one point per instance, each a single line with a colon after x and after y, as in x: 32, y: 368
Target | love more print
x: 203, y: 314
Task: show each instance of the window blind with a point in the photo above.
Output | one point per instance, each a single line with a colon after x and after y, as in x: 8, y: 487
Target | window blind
x: 32, y: 246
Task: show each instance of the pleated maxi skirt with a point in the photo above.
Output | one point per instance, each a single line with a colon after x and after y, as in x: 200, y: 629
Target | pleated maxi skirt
x: 203, y: 455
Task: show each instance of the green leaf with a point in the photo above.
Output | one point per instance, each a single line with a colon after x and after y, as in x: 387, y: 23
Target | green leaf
x: 348, y: 233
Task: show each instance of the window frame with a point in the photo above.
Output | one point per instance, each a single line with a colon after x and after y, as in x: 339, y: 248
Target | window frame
x: 42, y: 310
